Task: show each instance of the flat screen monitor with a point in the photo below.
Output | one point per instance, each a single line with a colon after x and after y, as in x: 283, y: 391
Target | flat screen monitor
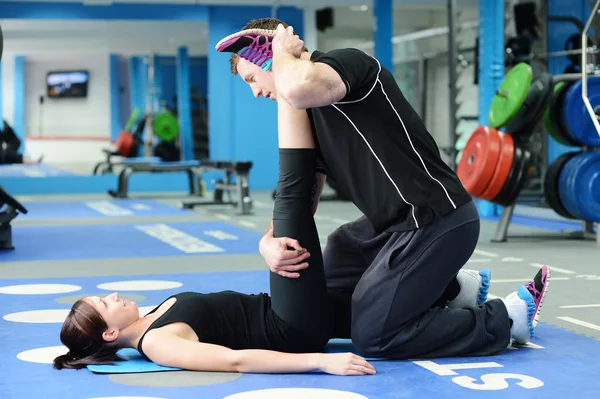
x: 67, y: 84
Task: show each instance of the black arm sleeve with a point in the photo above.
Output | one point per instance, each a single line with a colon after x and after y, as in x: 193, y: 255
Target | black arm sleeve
x: 357, y: 69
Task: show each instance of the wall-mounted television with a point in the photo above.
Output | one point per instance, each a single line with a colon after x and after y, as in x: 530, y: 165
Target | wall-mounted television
x: 67, y: 84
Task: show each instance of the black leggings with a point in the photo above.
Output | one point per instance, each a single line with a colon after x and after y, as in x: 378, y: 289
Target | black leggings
x: 301, y: 302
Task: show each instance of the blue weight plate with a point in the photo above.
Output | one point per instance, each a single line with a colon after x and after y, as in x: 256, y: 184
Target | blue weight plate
x: 564, y: 189
x: 586, y: 184
x: 575, y: 115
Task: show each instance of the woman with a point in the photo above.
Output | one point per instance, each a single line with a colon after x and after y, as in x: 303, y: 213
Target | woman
x: 229, y: 331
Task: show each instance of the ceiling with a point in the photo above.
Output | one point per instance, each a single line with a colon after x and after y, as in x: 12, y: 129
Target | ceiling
x: 352, y: 24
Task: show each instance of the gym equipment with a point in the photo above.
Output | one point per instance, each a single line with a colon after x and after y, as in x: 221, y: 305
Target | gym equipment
x: 190, y: 167
x: 551, y: 181
x: 10, y: 208
x: 165, y: 126
x: 533, y: 107
x: 503, y: 167
x: 575, y: 114
x: 517, y: 177
x: 104, y: 167
x: 494, y: 166
x: 558, y: 129
x: 241, y: 186
x: 577, y: 184
x: 510, y: 95
x: 478, y: 163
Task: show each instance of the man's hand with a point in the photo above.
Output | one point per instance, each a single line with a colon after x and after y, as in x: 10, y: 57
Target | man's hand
x: 286, y: 42
x: 282, y: 260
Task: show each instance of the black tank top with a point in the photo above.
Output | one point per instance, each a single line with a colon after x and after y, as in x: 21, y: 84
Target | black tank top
x: 227, y: 318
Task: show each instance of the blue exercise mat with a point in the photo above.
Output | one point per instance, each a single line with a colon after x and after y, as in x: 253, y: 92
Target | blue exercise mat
x: 34, y: 170
x: 98, y: 209
x: 129, y: 241
x: 134, y: 362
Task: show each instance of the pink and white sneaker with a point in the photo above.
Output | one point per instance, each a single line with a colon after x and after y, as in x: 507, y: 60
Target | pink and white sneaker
x: 253, y: 45
x: 524, y: 306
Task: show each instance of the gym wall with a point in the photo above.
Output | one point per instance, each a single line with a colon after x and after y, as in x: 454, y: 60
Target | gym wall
x: 85, y: 122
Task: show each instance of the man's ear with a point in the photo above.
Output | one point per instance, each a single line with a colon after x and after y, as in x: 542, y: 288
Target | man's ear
x: 110, y: 335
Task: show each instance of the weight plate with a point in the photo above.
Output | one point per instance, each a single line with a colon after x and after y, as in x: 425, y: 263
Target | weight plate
x: 551, y: 191
x: 556, y: 116
x: 586, y: 186
x: 509, y: 193
x: 564, y: 190
x: 165, y: 126
x: 503, y: 165
x: 132, y: 119
x: 576, y: 117
x: 546, y: 118
x: 124, y: 143
x: 478, y: 161
x: 513, y: 176
x: 510, y: 95
x: 532, y: 110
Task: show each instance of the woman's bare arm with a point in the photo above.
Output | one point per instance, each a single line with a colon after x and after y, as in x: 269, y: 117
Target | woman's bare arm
x: 172, y: 351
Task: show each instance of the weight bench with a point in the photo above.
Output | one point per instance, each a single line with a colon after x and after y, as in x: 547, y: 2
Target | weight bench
x: 241, y: 169
x: 9, y: 209
x: 106, y: 166
x: 192, y: 168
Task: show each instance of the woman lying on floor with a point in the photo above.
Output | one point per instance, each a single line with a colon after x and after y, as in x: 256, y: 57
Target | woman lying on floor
x: 285, y: 332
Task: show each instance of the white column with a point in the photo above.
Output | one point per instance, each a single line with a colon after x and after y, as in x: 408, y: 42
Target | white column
x: 310, y: 28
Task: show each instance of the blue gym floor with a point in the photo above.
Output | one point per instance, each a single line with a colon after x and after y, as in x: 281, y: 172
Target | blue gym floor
x: 69, y: 248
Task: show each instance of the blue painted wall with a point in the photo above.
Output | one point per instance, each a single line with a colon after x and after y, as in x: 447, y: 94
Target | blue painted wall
x: 491, y: 68
x: 198, y: 79
x: 18, y: 124
x: 558, y: 33
x: 240, y: 126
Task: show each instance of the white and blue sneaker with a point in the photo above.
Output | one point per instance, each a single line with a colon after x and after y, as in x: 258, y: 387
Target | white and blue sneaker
x: 474, y: 287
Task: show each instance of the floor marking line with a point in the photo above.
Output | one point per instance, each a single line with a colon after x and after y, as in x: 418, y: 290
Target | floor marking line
x: 592, y: 305
x: 486, y: 253
x: 554, y: 269
x: 222, y: 217
x: 478, y: 260
x: 247, y: 223
x: 579, y: 322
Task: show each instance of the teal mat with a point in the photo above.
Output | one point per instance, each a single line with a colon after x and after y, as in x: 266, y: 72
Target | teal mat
x: 135, y: 363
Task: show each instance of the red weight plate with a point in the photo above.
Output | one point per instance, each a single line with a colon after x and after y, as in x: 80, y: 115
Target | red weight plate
x: 503, y: 167
x: 478, y: 162
x: 124, y: 143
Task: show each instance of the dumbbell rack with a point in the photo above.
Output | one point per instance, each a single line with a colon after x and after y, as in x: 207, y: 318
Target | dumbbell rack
x: 587, y: 231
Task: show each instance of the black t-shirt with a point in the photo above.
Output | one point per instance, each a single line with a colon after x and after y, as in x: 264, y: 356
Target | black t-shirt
x: 379, y: 151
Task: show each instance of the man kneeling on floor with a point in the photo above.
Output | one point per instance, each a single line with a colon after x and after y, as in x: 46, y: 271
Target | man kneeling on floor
x: 395, y: 274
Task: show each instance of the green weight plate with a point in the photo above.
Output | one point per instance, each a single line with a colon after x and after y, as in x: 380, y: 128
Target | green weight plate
x: 510, y: 95
x: 546, y: 117
x: 165, y: 126
x: 532, y: 110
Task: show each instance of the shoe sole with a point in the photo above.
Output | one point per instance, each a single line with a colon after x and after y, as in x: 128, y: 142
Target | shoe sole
x: 484, y: 288
x: 526, y: 296
x: 536, y: 315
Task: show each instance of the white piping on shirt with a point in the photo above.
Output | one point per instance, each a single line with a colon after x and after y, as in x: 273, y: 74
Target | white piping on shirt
x: 377, y: 80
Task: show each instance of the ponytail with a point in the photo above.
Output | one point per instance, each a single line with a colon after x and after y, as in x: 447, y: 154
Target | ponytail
x: 68, y: 361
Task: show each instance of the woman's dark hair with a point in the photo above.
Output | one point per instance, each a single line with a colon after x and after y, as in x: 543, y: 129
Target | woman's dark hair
x: 81, y: 333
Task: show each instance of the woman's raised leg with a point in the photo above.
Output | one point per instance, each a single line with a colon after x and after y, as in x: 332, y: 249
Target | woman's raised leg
x: 301, y: 302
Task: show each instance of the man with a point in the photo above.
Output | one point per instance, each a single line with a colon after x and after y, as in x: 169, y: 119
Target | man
x: 397, y: 269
